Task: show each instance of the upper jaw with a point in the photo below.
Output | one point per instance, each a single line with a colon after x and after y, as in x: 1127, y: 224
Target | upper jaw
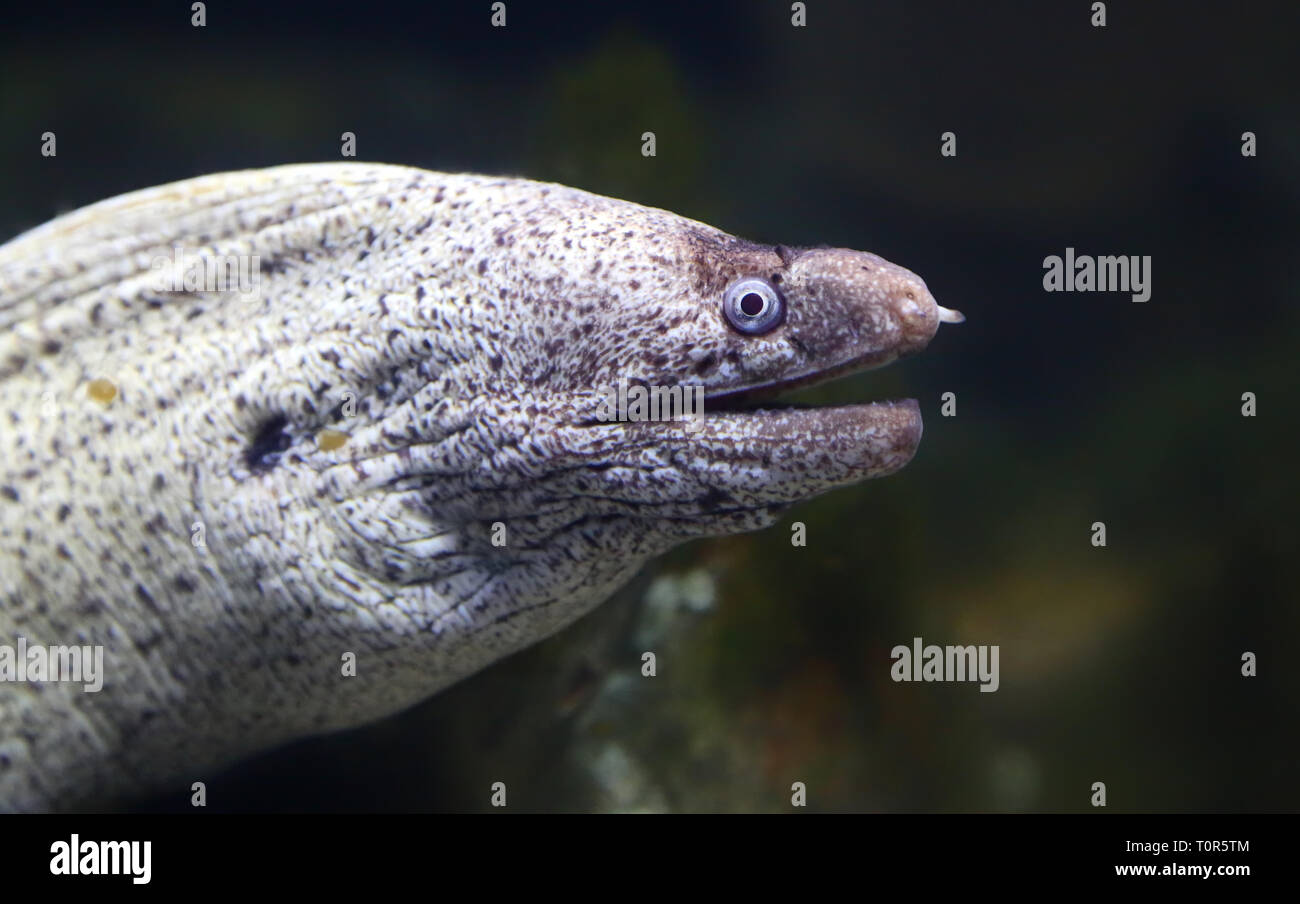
x: 849, y: 311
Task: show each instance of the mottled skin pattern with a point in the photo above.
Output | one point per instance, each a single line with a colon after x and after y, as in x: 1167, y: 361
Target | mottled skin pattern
x: 459, y: 331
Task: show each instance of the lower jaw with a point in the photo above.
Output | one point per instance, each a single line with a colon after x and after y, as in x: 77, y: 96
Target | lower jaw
x: 887, y: 428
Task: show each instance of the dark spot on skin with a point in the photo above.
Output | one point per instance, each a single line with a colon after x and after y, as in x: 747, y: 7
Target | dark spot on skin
x: 145, y: 597
x: 240, y: 402
x: 268, y: 445
x: 148, y: 643
x: 495, y: 362
x: 159, y: 482
x: 331, y: 356
x: 634, y: 284
x: 96, y: 312
x: 183, y: 584
x: 51, y: 346
x: 714, y: 500
x: 370, y: 236
x: 64, y: 511
x: 275, y: 265
x: 707, y: 363
x: 419, y: 293
x: 9, y: 493
x: 62, y: 551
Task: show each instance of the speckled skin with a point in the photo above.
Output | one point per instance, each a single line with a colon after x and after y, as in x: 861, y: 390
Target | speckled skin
x: 458, y: 331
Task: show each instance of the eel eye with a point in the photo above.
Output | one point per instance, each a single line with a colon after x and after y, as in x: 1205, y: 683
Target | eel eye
x: 753, y: 306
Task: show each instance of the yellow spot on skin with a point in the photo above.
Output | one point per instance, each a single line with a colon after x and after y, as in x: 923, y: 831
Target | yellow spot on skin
x: 329, y: 440
x: 102, y: 390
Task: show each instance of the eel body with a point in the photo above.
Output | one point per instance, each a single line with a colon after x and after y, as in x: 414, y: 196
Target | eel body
x: 301, y: 502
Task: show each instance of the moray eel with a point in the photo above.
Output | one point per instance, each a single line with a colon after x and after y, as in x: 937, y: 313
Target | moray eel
x: 298, y: 506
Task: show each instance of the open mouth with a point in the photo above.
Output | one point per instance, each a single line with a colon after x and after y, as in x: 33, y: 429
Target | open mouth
x: 760, y: 410
x: 754, y: 447
x: 762, y: 400
x: 767, y: 395
x: 750, y: 397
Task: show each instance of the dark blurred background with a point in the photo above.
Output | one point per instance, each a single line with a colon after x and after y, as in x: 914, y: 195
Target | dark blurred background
x: 1118, y: 664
